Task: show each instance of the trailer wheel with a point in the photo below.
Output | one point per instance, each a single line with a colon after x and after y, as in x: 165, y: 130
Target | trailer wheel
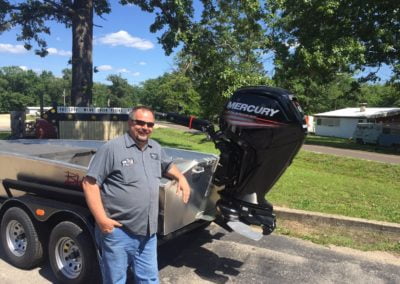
x: 20, y: 239
x: 72, y: 254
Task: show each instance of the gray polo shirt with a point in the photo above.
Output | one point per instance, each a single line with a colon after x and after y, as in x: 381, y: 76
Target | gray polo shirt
x: 129, y: 179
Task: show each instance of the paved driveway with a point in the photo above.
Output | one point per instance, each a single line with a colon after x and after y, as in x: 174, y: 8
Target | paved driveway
x: 212, y: 255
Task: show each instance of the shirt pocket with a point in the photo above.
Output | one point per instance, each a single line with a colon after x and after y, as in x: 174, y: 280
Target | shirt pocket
x: 129, y: 175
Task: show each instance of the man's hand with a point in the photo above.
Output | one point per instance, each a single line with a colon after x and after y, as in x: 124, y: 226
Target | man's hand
x: 106, y: 225
x: 184, y: 187
x: 93, y: 200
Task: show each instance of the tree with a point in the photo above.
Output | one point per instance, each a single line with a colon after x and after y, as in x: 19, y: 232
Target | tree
x: 49, y: 88
x: 67, y: 79
x: 320, y: 39
x: 20, y: 88
x: 121, y: 94
x: 173, y: 17
x: 101, y: 95
x: 223, y: 51
x: 33, y: 17
x: 171, y: 93
x: 385, y: 95
x: 16, y: 88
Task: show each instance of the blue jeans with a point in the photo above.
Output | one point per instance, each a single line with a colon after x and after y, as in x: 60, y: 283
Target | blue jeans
x: 122, y: 251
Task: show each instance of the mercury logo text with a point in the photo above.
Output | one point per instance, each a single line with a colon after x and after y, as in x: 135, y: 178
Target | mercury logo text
x: 252, y: 108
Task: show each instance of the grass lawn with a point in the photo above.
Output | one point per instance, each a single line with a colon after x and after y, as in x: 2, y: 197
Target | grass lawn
x: 195, y: 141
x: 4, y: 135
x: 337, y: 185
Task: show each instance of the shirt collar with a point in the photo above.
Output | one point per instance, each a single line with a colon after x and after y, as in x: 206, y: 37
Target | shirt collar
x: 129, y: 142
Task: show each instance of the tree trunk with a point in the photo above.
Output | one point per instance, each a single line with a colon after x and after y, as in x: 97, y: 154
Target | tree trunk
x: 82, y: 47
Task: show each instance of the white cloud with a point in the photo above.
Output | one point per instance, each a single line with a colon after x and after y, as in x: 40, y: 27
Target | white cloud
x: 14, y: 49
x: 123, y: 70
x: 19, y: 49
x: 55, y: 51
x: 104, y: 67
x: 142, y: 63
x: 23, y: 68
x: 125, y: 39
x: 136, y: 74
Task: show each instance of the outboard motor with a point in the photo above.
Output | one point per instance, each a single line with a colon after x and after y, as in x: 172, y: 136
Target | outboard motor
x: 261, y: 131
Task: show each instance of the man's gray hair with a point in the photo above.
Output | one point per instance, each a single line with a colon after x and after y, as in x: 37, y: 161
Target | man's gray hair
x: 133, y: 111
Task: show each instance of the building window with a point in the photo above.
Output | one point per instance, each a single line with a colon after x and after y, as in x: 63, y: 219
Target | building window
x: 332, y: 122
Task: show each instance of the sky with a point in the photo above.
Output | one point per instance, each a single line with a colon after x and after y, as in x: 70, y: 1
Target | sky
x: 122, y: 45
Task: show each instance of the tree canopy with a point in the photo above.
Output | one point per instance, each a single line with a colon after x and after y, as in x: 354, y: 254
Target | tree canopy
x: 223, y: 51
x: 33, y: 17
x: 323, y: 39
x: 317, y: 46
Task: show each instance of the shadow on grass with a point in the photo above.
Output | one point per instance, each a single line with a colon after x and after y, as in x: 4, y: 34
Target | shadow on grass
x: 198, y: 135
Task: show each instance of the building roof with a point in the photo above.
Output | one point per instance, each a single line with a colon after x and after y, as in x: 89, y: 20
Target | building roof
x: 356, y: 112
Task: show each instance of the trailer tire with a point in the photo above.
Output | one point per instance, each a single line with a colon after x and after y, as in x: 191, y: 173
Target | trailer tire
x: 20, y: 240
x: 72, y: 255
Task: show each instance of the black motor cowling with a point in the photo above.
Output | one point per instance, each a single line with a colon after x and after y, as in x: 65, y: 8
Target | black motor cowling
x: 261, y: 130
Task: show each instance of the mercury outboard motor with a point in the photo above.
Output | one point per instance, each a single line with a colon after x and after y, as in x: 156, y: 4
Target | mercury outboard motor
x: 261, y: 130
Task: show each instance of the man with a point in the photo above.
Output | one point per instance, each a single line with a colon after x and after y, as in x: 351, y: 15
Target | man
x: 121, y: 190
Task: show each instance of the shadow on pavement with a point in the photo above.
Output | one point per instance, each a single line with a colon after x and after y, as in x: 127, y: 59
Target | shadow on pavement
x: 185, y: 251
x: 188, y: 251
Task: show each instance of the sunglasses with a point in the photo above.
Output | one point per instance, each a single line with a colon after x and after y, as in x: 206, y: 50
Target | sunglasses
x: 143, y: 123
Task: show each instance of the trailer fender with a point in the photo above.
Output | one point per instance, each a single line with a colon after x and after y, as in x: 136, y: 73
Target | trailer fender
x: 50, y: 211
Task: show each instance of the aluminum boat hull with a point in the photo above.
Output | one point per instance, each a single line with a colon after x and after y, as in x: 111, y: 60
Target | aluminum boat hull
x: 63, y: 164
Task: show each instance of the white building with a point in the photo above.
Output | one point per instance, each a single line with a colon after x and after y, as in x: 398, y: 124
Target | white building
x: 35, y: 110
x: 343, y: 122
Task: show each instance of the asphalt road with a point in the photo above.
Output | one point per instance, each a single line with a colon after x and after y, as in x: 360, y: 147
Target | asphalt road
x: 213, y: 255
x: 371, y: 156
